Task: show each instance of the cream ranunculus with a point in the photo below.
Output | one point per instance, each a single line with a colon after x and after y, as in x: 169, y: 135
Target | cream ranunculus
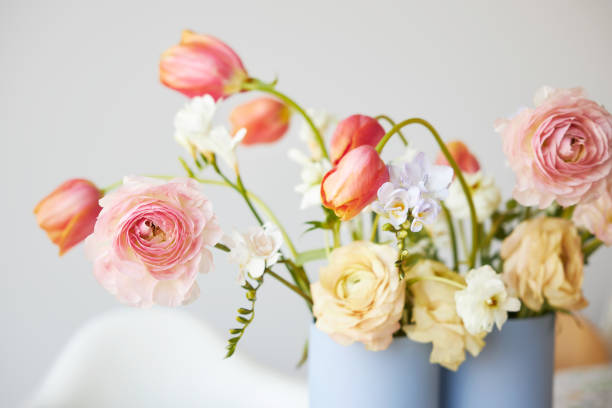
x: 435, y: 319
x: 543, y: 261
x: 359, y: 296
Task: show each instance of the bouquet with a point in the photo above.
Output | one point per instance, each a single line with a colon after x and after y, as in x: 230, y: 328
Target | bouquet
x: 412, y: 247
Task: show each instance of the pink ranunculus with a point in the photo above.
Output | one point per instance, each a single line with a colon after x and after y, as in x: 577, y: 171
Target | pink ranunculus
x: 69, y: 213
x: 560, y: 150
x: 352, y: 132
x: 151, y: 239
x: 596, y: 215
x: 353, y: 183
x: 202, y: 64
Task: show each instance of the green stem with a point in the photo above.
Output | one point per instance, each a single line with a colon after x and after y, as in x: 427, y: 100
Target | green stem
x: 336, y: 232
x: 392, y: 123
x: 290, y: 286
x: 435, y: 279
x: 456, y: 169
x: 591, y: 247
x: 254, y: 84
x: 453, y: 236
x: 374, y: 233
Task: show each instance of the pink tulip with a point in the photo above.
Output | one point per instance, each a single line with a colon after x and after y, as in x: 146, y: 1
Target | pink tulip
x: 201, y: 64
x: 265, y: 119
x: 352, y: 132
x: 352, y: 185
x: 466, y: 161
x: 69, y: 213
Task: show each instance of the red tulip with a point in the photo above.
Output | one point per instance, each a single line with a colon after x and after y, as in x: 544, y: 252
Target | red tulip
x: 466, y: 161
x: 265, y: 119
x: 69, y: 213
x: 352, y: 185
x: 352, y: 132
x: 201, y: 64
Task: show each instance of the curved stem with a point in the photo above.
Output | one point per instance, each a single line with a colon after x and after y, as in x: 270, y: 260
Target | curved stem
x: 254, y: 84
x: 392, y: 123
x: 435, y: 279
x: 456, y: 169
x: 453, y: 236
x: 591, y: 247
x: 289, y: 285
x: 374, y: 228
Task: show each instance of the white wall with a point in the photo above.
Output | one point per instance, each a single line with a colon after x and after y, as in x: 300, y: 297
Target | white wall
x: 79, y: 96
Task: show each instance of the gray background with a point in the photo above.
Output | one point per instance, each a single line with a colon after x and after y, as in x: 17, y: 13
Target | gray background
x: 79, y: 96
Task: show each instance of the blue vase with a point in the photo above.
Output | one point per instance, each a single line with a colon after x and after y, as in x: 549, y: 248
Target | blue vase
x: 514, y: 369
x: 351, y: 376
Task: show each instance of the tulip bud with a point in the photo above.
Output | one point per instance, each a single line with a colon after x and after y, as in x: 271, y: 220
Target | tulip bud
x: 353, y: 183
x: 201, y: 64
x: 352, y: 132
x: 466, y: 161
x: 69, y: 213
x: 265, y: 119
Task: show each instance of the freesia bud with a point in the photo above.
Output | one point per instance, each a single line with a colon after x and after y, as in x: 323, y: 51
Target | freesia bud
x: 353, y: 183
x: 201, y: 64
x: 265, y: 119
x: 69, y: 213
x: 352, y: 132
x: 466, y: 161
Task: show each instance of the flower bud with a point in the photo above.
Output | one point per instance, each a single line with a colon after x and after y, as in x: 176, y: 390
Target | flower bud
x: 352, y: 132
x: 69, y: 213
x: 466, y: 161
x: 265, y: 119
x: 201, y: 64
x: 354, y: 182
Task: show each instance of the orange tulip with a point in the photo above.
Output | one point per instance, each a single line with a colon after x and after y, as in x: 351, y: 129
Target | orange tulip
x: 466, y: 161
x: 265, y: 119
x: 352, y: 132
x: 352, y: 185
x: 202, y: 64
x: 69, y: 213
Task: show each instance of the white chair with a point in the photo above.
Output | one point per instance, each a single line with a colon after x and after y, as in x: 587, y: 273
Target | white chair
x: 159, y: 358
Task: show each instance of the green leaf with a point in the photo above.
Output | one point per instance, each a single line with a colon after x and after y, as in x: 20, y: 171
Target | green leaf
x: 235, y: 331
x: 244, y: 311
x: 242, y: 320
x: 234, y: 340
x: 312, y: 255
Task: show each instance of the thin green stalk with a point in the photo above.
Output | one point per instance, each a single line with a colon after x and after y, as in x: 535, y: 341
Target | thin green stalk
x: 290, y: 286
x: 254, y: 84
x: 392, y: 123
x: 435, y: 279
x: 591, y: 247
x: 336, y: 232
x: 466, y: 251
x: 374, y: 233
x: 453, y: 236
x: 456, y: 169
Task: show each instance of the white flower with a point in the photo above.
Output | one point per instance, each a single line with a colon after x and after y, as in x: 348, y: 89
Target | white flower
x: 255, y: 250
x: 485, y: 194
x: 312, y: 175
x: 395, y: 203
x: 424, y: 212
x: 194, y: 131
x: 485, y: 301
x: 322, y: 121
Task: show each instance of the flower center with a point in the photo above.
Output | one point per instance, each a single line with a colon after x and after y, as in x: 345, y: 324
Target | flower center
x: 492, y: 302
x: 149, y: 231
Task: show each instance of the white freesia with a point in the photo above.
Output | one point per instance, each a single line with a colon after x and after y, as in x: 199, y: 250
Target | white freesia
x: 485, y: 301
x: 312, y: 174
x: 194, y: 131
x: 322, y: 121
x: 255, y: 250
x: 395, y: 203
x: 485, y: 194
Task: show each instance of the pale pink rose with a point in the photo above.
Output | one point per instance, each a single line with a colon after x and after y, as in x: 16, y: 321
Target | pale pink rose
x: 560, y: 150
x: 151, y: 240
x: 596, y: 215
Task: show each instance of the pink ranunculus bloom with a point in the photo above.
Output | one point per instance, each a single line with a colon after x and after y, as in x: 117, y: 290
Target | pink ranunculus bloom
x: 467, y: 162
x: 265, y: 119
x: 560, y: 150
x: 151, y: 239
x: 353, y: 183
x: 69, y: 213
x: 352, y: 132
x: 202, y: 64
x: 596, y: 215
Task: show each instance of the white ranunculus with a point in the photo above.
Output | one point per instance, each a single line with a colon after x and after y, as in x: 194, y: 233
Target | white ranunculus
x: 312, y: 174
x: 485, y: 194
x: 485, y: 301
x: 194, y: 131
x: 255, y: 250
